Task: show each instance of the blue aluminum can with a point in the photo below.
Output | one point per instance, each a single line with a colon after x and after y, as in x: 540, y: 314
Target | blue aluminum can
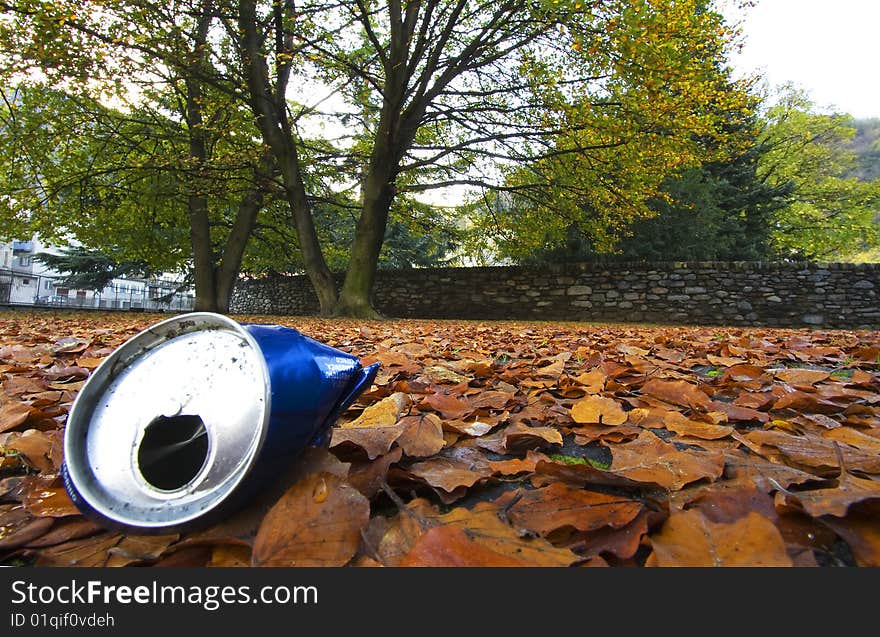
x: 186, y: 420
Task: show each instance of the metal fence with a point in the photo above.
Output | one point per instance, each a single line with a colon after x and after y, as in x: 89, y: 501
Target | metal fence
x: 23, y: 289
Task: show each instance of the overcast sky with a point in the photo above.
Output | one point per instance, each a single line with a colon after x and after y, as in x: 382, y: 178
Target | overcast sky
x: 829, y: 47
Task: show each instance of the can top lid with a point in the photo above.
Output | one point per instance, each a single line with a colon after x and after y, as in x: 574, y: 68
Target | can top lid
x: 170, y: 423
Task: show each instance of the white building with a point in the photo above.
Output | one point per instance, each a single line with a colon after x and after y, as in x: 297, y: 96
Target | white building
x: 27, y: 281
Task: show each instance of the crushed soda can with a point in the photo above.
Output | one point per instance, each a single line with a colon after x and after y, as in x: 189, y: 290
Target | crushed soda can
x: 187, y: 419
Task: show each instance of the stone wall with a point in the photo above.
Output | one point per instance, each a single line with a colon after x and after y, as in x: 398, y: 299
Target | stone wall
x: 760, y: 294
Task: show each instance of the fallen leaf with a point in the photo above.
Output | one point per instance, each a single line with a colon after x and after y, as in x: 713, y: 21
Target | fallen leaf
x: 439, y: 374
x: 690, y: 539
x: 422, y: 436
x: 586, y: 434
x: 452, y: 546
x: 368, y: 477
x: 317, y: 522
x: 133, y: 549
x: 449, y: 407
x: 66, y: 529
x: 835, y: 500
x: 372, y: 440
x: 559, y: 505
x: 18, y: 528
x: 14, y: 414
x: 802, y: 376
x: 649, y: 459
x: 519, y: 436
x: 475, y: 428
x: 623, y: 543
x: 385, y: 413
x: 862, y: 533
x: 683, y: 426
x: 90, y: 551
x: 49, y: 501
x: 35, y: 447
x: 230, y: 556
x: 813, y: 451
x: 677, y: 392
x: 518, y: 465
x: 739, y: 466
x: 596, y: 409
x: 449, y: 474
x: 724, y: 361
x: 484, y: 527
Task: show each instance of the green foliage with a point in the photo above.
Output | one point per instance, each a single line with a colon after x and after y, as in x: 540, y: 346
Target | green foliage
x: 91, y: 270
x: 830, y: 214
x: 661, y: 102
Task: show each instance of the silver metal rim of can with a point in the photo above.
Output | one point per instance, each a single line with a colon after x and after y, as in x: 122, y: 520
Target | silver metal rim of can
x: 201, y: 374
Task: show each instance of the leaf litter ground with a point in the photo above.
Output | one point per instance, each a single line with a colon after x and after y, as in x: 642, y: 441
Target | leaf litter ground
x: 502, y: 444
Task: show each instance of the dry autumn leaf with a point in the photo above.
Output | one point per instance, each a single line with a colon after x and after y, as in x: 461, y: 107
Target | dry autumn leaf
x: 677, y: 392
x: 649, y: 459
x: 558, y: 505
x: 317, y: 522
x: 452, y: 546
x: 485, y: 527
x: 690, y: 539
x: 596, y: 409
x: 422, y: 435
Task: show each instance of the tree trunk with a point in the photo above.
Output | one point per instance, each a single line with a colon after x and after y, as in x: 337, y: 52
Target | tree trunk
x: 270, y: 109
x: 354, y: 299
x: 243, y: 226
x: 199, y: 222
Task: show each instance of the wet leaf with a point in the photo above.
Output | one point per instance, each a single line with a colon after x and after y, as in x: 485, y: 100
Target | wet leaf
x: 18, y: 528
x: 49, y: 501
x: 309, y: 528
x: 230, y: 556
x: 66, y: 529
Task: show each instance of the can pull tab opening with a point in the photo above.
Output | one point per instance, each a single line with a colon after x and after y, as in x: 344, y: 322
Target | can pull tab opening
x: 173, y: 451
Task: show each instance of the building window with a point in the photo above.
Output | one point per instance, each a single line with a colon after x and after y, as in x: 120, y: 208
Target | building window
x: 25, y: 281
x: 62, y: 291
x: 48, y: 284
x: 24, y: 261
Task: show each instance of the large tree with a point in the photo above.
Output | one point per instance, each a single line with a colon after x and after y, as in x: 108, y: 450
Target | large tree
x: 831, y: 213
x: 441, y: 92
x: 178, y: 156
x: 426, y: 93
